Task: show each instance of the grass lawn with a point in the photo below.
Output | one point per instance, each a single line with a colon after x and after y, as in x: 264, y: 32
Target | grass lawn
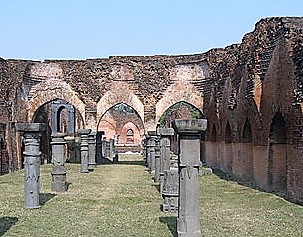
x: 122, y: 200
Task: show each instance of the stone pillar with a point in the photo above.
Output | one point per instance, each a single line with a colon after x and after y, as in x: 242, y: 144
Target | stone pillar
x: 170, y: 190
x: 147, y: 154
x: 58, y: 160
x: 143, y: 144
x: 99, y: 156
x: 91, y: 150
x: 111, y: 148
x: 189, y: 132
x: 103, y: 148
x: 157, y: 160
x: 84, y: 149
x: 107, y: 149
x: 165, y: 134
x: 152, y: 156
x: 116, y: 139
x: 31, y: 134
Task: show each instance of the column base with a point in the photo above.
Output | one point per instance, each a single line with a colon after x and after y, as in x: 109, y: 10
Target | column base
x: 188, y: 228
x: 59, y: 179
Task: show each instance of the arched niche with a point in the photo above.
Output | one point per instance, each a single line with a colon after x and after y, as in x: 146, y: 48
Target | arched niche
x: 130, y: 134
x: 247, y: 133
x: 277, y: 154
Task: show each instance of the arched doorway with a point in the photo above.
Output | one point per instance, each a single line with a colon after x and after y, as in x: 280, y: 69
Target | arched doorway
x: 277, y: 155
x: 122, y: 123
x: 59, y: 116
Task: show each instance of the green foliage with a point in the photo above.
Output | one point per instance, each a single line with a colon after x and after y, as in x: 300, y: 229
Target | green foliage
x: 123, y: 108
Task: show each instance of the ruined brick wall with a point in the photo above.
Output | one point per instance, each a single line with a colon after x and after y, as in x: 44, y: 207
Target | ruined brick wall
x: 254, y: 81
x: 240, y: 89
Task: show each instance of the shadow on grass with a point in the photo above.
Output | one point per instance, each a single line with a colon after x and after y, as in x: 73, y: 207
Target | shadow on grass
x: 131, y: 162
x: 45, y: 197
x: 6, y: 223
x: 171, y: 222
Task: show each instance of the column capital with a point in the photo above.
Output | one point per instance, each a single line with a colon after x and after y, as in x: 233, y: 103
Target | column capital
x: 84, y: 131
x: 190, y: 126
x: 30, y: 127
x: 166, y: 132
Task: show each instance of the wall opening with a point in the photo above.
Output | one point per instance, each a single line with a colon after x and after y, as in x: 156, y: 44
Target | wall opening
x: 277, y: 160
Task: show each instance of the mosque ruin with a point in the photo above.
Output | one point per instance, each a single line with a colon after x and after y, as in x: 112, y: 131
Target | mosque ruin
x: 250, y: 93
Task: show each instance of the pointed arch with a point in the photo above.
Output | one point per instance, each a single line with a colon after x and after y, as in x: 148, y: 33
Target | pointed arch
x: 277, y: 133
x: 213, y: 137
x: 177, y: 92
x: 277, y: 155
x: 114, y: 97
x: 50, y: 90
x: 125, y: 134
x: 247, y: 133
x: 228, y: 133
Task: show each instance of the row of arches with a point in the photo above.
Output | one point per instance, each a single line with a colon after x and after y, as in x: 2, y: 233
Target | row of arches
x: 264, y: 165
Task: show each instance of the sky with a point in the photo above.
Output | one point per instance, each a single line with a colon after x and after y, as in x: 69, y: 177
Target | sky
x: 74, y: 29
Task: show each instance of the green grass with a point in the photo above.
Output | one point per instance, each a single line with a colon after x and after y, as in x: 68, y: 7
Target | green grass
x: 122, y: 200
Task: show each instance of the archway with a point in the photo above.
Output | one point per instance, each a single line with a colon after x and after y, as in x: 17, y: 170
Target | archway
x: 117, y: 121
x: 179, y: 110
x: 59, y: 116
x: 277, y: 155
x: 119, y: 96
x: 179, y: 92
x: 54, y: 89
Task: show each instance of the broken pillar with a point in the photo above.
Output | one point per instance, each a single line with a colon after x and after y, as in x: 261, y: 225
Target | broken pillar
x: 84, y: 149
x: 58, y: 170
x: 165, y: 134
x: 91, y: 150
x: 157, y: 160
x: 170, y: 191
x: 189, y: 131
x: 31, y: 134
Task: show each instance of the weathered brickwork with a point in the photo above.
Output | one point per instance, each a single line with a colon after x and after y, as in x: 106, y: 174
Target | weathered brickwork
x: 251, y: 93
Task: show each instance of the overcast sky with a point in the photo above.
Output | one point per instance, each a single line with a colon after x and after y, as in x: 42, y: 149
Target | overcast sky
x: 74, y: 29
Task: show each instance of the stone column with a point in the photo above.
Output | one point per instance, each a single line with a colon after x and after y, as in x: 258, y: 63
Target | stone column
x: 91, y: 150
x: 84, y: 149
x: 170, y: 190
x: 157, y: 160
x: 32, y: 153
x: 107, y: 149
x: 99, y: 156
x: 152, y: 156
x: 147, y: 154
x: 189, y: 132
x: 143, y: 144
x: 58, y: 160
x: 103, y: 148
x: 165, y: 134
x: 111, y: 148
